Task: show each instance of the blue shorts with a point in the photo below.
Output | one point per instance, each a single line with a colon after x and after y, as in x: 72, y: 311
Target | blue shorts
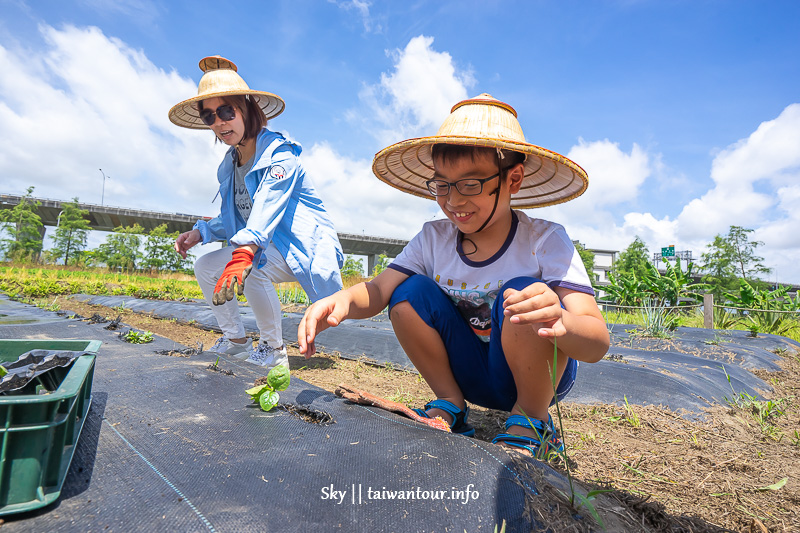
x: 480, y: 368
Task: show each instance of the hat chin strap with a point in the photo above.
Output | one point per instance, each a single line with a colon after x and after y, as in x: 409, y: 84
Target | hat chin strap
x: 496, y: 193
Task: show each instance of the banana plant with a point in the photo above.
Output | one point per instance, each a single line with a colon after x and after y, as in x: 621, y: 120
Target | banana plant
x: 673, y: 285
x: 625, y: 289
x: 762, y: 305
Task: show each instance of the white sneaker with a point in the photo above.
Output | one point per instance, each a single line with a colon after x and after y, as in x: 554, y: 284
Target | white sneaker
x: 267, y: 356
x: 226, y: 346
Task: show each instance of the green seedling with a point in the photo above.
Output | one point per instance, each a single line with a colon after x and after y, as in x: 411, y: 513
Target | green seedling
x: 138, y: 337
x: 576, y: 499
x: 3, y: 372
x: 266, y: 396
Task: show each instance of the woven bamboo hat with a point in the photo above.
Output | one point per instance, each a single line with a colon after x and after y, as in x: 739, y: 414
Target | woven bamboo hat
x: 550, y: 178
x: 221, y: 79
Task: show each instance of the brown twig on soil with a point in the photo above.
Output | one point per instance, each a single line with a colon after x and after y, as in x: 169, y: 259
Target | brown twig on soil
x: 365, y: 398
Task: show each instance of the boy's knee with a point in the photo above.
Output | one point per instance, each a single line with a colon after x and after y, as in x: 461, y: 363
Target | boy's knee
x: 401, y: 311
x: 410, y: 288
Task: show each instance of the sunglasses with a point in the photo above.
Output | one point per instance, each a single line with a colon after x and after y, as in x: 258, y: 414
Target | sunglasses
x: 224, y: 112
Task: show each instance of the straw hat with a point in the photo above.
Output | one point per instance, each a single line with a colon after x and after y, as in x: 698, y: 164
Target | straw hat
x: 550, y: 178
x: 220, y: 79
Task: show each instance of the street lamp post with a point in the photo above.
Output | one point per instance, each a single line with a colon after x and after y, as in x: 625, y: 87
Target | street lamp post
x: 103, y: 197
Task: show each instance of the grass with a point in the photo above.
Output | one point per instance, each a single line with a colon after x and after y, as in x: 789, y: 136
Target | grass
x: 26, y: 282
x: 763, y: 412
x: 629, y: 416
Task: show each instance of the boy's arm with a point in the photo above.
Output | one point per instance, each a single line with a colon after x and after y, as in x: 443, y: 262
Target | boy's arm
x: 581, y: 331
x: 359, y: 301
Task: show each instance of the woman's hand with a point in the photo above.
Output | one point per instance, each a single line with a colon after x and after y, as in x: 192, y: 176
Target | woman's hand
x: 231, y: 281
x: 323, y: 314
x: 537, y: 305
x: 186, y: 240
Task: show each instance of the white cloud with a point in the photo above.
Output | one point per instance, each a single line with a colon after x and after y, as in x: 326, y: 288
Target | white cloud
x: 361, y: 7
x: 614, y: 176
x: 86, y: 101
x: 754, y: 183
x: 414, y: 99
x: 411, y: 100
x: 755, y: 186
x: 360, y: 203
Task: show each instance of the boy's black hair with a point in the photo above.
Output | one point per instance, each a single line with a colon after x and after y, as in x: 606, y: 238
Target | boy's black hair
x: 450, y: 153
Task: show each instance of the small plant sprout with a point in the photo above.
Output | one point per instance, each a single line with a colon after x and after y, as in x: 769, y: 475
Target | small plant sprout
x: 266, y: 396
x: 3, y: 372
x: 138, y: 337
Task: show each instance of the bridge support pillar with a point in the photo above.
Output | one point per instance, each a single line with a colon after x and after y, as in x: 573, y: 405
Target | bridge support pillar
x: 371, y: 260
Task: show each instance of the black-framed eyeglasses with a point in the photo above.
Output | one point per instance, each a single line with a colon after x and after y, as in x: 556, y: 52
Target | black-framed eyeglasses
x: 224, y: 112
x: 465, y: 187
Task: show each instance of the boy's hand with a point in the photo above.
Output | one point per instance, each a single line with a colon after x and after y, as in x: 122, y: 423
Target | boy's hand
x: 325, y: 313
x: 537, y: 305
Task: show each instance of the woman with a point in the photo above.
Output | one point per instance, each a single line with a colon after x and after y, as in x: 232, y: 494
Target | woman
x: 271, y: 216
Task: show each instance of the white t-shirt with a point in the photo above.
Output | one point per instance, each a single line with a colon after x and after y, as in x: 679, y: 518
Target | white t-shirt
x: 534, y: 247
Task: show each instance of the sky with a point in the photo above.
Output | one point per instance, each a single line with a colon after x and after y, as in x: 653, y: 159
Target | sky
x: 685, y: 114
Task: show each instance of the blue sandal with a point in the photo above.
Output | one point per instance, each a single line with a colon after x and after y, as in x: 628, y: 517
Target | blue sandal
x: 459, y: 424
x: 546, y: 434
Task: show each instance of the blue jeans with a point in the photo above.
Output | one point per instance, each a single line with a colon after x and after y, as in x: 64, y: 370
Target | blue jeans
x: 480, y: 368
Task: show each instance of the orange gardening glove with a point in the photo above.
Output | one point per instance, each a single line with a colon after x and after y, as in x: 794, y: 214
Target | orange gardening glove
x: 231, y: 282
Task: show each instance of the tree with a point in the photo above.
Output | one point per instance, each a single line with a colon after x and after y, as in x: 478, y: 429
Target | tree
x: 352, y: 268
x: 380, y: 265
x: 71, y: 232
x: 588, y: 261
x: 121, y: 249
x: 730, y: 258
x: 634, y: 260
x: 159, y: 251
x: 23, y: 224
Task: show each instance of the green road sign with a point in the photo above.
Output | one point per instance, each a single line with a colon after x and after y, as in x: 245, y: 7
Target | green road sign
x: 668, y: 252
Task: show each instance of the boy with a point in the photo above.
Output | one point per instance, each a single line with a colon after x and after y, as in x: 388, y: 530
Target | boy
x: 477, y: 300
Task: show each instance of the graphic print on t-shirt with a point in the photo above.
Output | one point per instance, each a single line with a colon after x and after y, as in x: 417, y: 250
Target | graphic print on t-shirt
x: 242, y: 199
x: 474, y: 303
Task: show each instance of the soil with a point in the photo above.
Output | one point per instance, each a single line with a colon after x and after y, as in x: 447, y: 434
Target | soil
x: 736, y: 470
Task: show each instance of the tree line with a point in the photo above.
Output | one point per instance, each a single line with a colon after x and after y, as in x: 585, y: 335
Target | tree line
x: 126, y: 249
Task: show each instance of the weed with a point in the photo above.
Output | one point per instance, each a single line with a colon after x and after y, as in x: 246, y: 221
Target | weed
x: 714, y: 341
x: 629, y: 416
x: 762, y: 411
x: 796, y: 438
x: 402, y: 396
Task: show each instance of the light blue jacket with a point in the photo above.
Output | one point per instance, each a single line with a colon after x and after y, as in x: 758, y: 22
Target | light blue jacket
x: 286, y: 211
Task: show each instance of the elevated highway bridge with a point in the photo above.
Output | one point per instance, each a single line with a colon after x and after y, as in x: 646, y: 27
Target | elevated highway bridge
x: 106, y: 218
